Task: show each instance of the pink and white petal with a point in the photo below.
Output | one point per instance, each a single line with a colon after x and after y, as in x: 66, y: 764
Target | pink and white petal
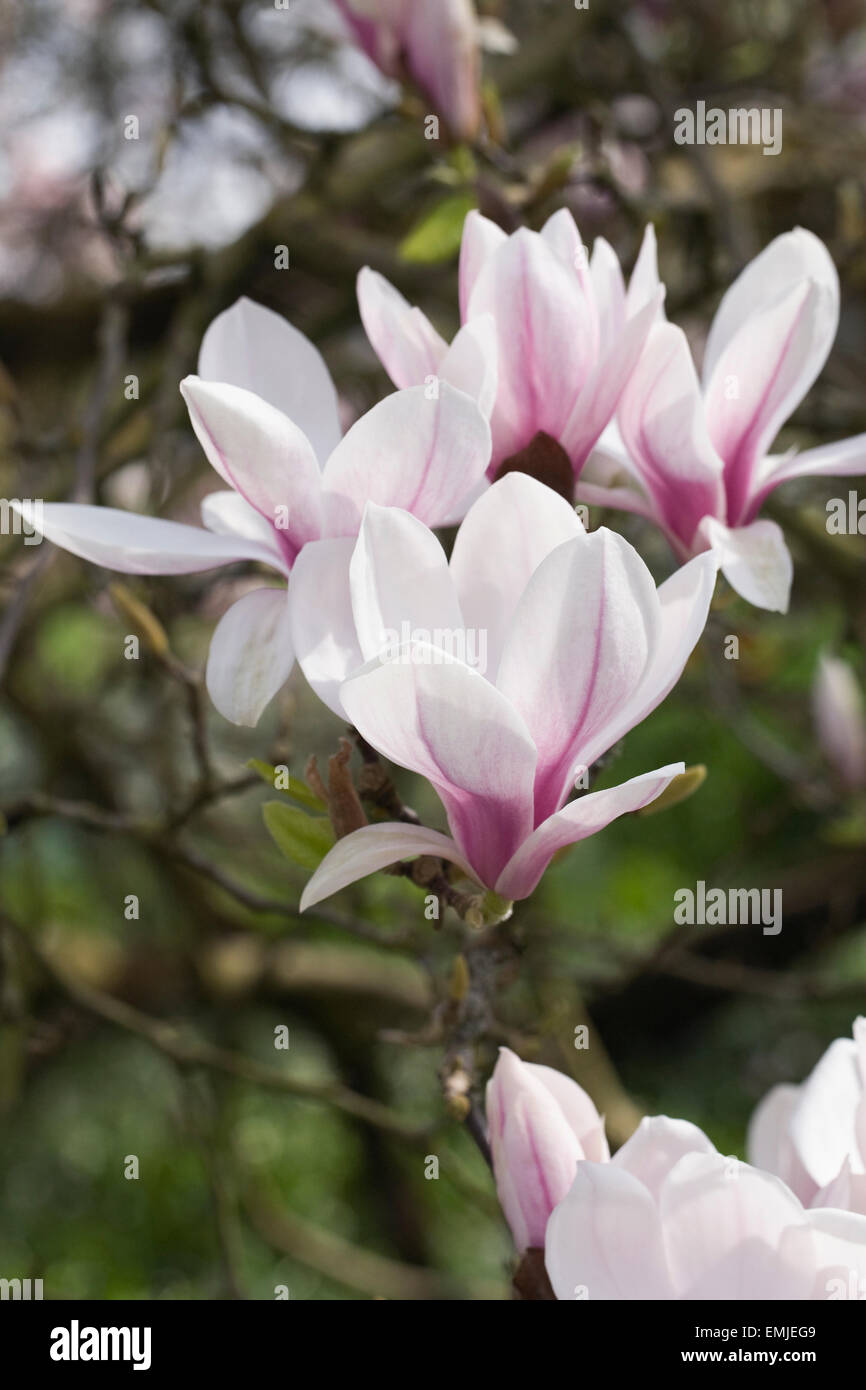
x: 790, y: 259
x: 250, y: 656
x: 228, y: 514
x: 604, y: 1239
x: 470, y: 363
x: 847, y: 1192
x: 769, y: 1144
x: 656, y: 1145
x: 644, y: 286
x: 610, y: 465
x: 839, y: 1253
x: 684, y: 602
x: 535, y: 1149
x: 726, y: 1229
x: 374, y: 847
x: 845, y: 458
x: 621, y: 499
x: 134, y: 544
x: 481, y: 238
x: 839, y: 715
x: 250, y: 346
x: 413, y: 451
x: 598, y: 400
x: 545, y: 332
x: 402, y: 337
x: 860, y: 1118
x: 760, y: 379
x: 259, y: 452
x: 504, y: 538
x: 753, y: 1270
x: 561, y: 234
x: 322, y: 625
x: 577, y: 821
x: 578, y: 1109
x: 661, y: 420
x: 754, y: 559
x: 441, y: 46
x: 439, y: 718
x: 609, y: 293
x: 400, y: 583
x: 823, y: 1125
x: 577, y: 649
x: 376, y: 29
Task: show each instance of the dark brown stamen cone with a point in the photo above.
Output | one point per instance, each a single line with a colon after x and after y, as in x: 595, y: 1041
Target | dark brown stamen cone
x: 544, y: 459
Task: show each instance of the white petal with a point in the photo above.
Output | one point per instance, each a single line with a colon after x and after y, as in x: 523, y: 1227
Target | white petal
x: 725, y: 1231
x: 823, y: 1125
x: 656, y: 1145
x: 609, y: 292
x: 789, y: 259
x: 754, y: 559
x: 603, y: 1240
x: 411, y: 451
x: 840, y: 1253
x: 684, y: 602
x: 842, y: 459
x: 481, y: 238
x: 136, y: 544
x: 322, y: 625
x: 562, y: 236
x: 594, y: 407
x: 661, y: 418
x: 644, y: 284
x: 769, y: 1144
x: 400, y: 584
x: 504, y: 538
x: 250, y: 656
x: 371, y: 848
x: 470, y: 363
x: 260, y: 453
x: 579, y: 645
x: 228, y: 514
x: 251, y: 346
x: 402, y: 337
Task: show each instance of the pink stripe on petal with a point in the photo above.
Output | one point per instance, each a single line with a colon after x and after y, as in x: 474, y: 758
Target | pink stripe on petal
x: 577, y: 821
x: 429, y: 713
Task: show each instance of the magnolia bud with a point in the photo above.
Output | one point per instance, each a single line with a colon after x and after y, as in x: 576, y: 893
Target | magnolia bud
x: 840, y: 720
x: 541, y: 1125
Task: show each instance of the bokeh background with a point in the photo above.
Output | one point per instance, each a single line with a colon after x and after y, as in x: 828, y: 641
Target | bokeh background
x: 261, y: 126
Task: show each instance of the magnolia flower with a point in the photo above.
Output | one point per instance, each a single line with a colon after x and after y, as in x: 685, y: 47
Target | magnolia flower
x: 565, y: 336
x: 670, y: 1218
x: 840, y: 720
x: 814, y: 1135
x: 579, y: 647
x: 436, y: 40
x: 541, y: 1124
x: 265, y: 411
x: 695, y: 459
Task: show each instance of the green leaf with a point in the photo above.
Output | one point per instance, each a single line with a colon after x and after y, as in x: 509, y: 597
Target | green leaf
x: 303, y: 839
x: 436, y: 237
x: 296, y: 789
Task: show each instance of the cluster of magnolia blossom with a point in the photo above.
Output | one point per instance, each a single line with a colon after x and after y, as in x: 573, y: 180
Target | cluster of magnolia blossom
x: 668, y: 1217
x: 561, y: 385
